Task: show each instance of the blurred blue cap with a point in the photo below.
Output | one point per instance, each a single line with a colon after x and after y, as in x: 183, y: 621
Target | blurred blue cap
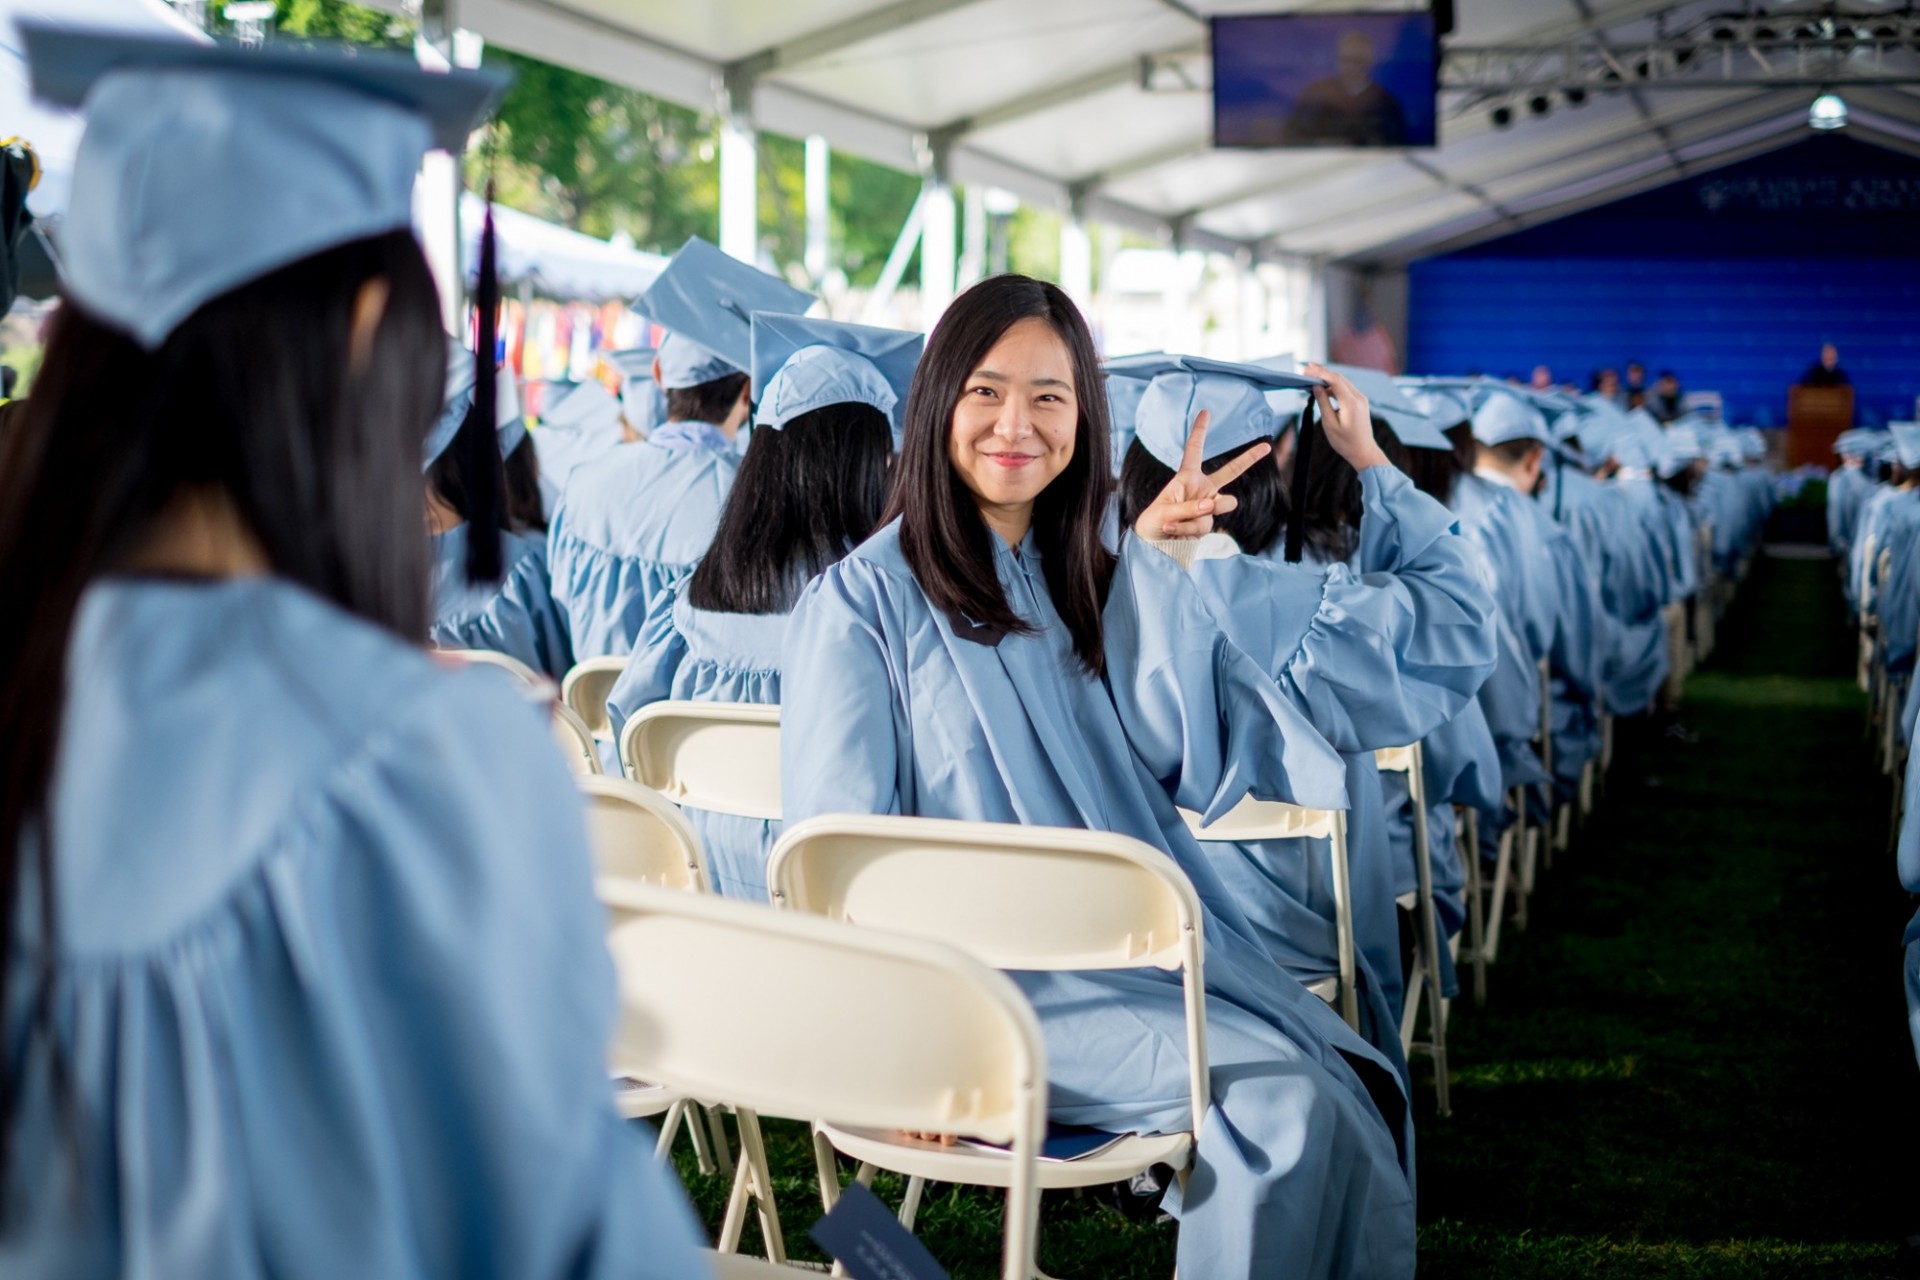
x: 1906, y: 443
x: 800, y: 365
x: 642, y: 402
x: 509, y: 427
x: 1179, y: 387
x: 1505, y: 415
x: 585, y: 409
x: 1857, y: 442
x: 707, y: 297
x: 1410, y: 422
x: 206, y: 166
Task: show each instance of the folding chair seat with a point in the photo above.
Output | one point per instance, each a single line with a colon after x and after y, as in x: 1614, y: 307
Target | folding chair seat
x: 858, y: 1030
x: 1015, y: 897
x: 585, y: 691
x: 529, y: 679
x: 1253, y: 820
x: 575, y: 743
x: 723, y: 757
x: 639, y: 838
x: 1424, y: 982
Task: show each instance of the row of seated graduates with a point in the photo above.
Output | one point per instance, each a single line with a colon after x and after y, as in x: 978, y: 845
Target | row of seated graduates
x: 1516, y: 570
x: 1873, y: 512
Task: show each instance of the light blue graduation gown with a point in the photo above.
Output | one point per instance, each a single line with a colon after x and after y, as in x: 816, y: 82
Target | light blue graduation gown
x: 1898, y: 593
x: 329, y: 983
x: 1632, y: 639
x: 515, y: 616
x: 1375, y: 659
x: 631, y: 526
x: 1524, y: 626
x: 694, y: 655
x: 1846, y: 488
x: 1909, y: 866
x: 889, y: 709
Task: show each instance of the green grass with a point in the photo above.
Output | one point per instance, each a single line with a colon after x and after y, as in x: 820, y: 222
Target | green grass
x: 1694, y: 1063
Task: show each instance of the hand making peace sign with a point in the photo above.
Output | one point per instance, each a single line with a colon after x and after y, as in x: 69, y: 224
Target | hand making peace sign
x: 1187, y: 506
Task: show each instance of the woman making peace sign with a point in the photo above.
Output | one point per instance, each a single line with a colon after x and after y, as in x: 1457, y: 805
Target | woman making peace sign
x: 984, y: 657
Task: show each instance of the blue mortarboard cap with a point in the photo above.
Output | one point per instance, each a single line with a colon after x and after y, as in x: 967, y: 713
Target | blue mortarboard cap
x: 1409, y: 421
x: 1857, y: 443
x: 1906, y: 443
x: 206, y: 166
x: 685, y: 363
x: 1179, y: 387
x: 709, y: 297
x: 800, y: 365
x: 585, y: 409
x: 509, y: 427
x: 642, y: 401
x: 1504, y: 417
x: 1682, y: 447
x: 1444, y: 406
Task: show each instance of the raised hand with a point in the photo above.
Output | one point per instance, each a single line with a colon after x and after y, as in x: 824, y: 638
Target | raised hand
x: 1349, y: 428
x: 1187, y: 506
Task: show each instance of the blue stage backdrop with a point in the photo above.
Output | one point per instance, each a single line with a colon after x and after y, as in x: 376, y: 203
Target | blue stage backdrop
x: 1731, y: 278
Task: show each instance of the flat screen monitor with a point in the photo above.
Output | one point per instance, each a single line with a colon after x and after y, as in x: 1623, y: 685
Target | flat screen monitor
x: 1324, y: 80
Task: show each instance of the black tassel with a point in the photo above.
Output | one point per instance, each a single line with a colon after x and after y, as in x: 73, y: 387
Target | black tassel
x: 1303, y: 438
x: 486, y: 493
x: 1559, y: 486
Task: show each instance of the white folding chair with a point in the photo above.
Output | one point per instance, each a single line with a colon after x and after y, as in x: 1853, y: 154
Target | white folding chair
x: 529, y: 679
x: 1015, y: 897
x: 1253, y: 820
x: 1534, y: 835
x: 1863, y: 594
x: 1424, y: 981
x: 723, y: 757
x: 809, y: 1019
x: 585, y: 691
x: 576, y: 743
x: 639, y: 838
x: 1466, y: 830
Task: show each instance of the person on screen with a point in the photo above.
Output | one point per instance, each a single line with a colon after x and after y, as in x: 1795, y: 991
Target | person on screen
x: 1348, y: 108
x: 1826, y: 371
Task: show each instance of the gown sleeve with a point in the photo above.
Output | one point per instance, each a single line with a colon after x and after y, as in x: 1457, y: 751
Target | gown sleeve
x: 657, y: 654
x: 488, y: 998
x: 1206, y: 719
x: 842, y: 745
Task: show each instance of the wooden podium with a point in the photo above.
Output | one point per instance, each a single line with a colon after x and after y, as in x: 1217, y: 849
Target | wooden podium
x: 1815, y: 415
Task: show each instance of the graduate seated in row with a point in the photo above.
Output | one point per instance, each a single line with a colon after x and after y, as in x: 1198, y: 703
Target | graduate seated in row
x: 984, y: 656
x: 631, y: 526
x: 811, y: 487
x: 304, y: 972
x: 514, y: 615
x: 1375, y: 655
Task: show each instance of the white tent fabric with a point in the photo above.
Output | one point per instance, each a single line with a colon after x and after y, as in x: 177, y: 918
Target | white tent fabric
x: 554, y: 261
x: 54, y: 131
x: 1046, y: 100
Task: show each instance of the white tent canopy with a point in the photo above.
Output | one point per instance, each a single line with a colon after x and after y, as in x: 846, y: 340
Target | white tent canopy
x: 1047, y: 100
x: 555, y: 261
x: 55, y: 132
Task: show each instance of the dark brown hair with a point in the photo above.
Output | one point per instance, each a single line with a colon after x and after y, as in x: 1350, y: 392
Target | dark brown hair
x: 942, y: 535
x: 250, y: 396
x: 707, y: 402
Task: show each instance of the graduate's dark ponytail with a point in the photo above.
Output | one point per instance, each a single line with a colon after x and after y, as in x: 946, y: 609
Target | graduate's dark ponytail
x: 261, y: 396
x: 942, y: 535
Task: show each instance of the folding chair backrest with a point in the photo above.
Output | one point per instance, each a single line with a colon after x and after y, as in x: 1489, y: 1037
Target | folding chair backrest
x: 1014, y: 896
x: 575, y: 742
x: 529, y: 679
x: 811, y: 1019
x: 723, y: 757
x: 640, y: 837
x: 585, y: 691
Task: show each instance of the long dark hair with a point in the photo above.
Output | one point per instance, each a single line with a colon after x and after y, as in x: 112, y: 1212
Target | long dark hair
x: 1334, y: 507
x: 526, y: 509
x: 261, y: 395
x: 462, y: 465
x: 1258, y: 519
x: 942, y: 535
x: 805, y: 495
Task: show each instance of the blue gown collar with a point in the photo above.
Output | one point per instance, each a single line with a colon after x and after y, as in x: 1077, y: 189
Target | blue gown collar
x: 687, y: 435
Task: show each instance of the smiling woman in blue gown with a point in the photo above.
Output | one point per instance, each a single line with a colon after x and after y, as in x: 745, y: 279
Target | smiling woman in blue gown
x: 985, y: 657
x: 811, y: 486
x: 1377, y: 655
x: 515, y: 615
x: 304, y: 973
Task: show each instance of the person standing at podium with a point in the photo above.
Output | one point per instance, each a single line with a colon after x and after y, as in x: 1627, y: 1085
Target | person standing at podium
x: 1826, y: 371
